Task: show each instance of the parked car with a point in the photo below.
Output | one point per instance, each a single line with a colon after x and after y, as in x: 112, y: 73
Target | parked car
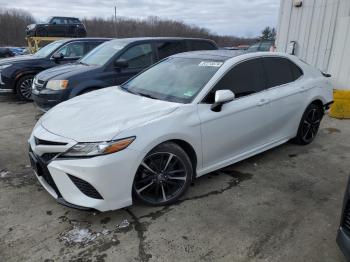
x: 17, y: 73
x: 184, y: 117
x: 57, y: 27
x: 262, y: 46
x: 6, y: 52
x: 110, y: 64
x: 343, y: 238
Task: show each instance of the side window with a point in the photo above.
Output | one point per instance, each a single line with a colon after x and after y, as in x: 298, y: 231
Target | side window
x: 166, y: 49
x: 278, y: 71
x: 57, y: 21
x: 201, y: 45
x: 91, y: 45
x: 265, y: 46
x: 244, y: 79
x: 139, y: 56
x: 72, y: 50
x: 296, y: 71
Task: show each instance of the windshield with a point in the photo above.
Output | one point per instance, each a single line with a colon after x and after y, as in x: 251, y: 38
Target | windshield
x: 101, y: 54
x: 175, y: 79
x: 48, y: 49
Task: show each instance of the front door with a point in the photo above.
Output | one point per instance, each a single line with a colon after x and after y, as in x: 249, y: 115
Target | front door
x: 139, y: 57
x: 242, y: 126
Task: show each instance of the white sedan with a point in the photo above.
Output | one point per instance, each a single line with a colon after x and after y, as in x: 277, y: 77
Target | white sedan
x: 186, y: 116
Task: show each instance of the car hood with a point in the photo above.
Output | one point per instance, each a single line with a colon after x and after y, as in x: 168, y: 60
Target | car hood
x: 64, y: 71
x: 19, y: 59
x: 103, y: 114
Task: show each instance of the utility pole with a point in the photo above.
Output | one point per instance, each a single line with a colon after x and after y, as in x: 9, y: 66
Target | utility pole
x: 115, y: 20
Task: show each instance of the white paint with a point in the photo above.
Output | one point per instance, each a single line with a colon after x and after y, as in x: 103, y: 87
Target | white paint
x: 244, y: 127
x: 321, y: 29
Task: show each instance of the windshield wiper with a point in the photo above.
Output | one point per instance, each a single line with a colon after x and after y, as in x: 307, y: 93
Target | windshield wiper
x: 137, y: 93
x: 82, y: 63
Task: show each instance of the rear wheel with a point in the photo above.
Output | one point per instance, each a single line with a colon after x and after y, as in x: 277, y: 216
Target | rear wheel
x: 24, y: 88
x: 163, y: 176
x: 309, y: 125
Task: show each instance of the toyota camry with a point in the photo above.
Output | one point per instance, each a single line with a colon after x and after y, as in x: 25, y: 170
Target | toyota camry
x: 186, y: 116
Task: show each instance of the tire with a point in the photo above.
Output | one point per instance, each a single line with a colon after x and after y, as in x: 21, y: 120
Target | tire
x: 24, y: 88
x: 309, y: 125
x: 41, y: 32
x: 163, y: 176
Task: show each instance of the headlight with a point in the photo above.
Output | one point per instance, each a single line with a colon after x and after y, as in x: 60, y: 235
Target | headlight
x: 100, y: 148
x: 57, y: 84
x: 30, y: 27
x: 4, y: 66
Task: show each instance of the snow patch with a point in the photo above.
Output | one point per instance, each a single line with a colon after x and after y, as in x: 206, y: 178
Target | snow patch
x: 4, y: 173
x: 125, y: 223
x: 79, y: 236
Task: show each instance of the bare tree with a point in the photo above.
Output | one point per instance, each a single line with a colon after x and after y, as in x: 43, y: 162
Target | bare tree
x: 12, y: 26
x: 14, y: 21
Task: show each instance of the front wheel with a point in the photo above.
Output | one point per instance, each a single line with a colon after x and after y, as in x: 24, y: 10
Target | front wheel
x: 24, y: 88
x: 163, y: 176
x: 309, y: 125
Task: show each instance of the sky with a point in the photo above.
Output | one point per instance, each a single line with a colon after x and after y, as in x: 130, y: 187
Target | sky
x: 244, y: 18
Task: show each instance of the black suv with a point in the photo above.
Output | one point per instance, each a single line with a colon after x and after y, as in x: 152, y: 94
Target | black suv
x: 343, y: 238
x: 111, y: 63
x: 57, y: 26
x: 17, y: 73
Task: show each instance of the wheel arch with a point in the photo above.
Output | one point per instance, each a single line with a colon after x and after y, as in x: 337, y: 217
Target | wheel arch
x: 188, y: 148
x: 19, y: 76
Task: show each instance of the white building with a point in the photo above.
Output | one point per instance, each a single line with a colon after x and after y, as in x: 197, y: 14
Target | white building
x: 321, y: 31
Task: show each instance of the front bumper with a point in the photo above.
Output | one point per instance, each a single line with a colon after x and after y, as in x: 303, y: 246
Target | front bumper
x: 110, y: 177
x: 343, y: 240
x: 45, y: 100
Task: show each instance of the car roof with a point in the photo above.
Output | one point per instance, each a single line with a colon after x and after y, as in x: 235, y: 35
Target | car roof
x: 220, y: 54
x: 224, y: 55
x: 136, y: 39
x: 66, y: 40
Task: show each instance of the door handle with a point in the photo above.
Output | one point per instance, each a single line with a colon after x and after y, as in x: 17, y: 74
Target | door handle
x: 263, y: 102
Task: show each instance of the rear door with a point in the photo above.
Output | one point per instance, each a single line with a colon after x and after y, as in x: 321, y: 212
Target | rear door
x: 285, y: 92
x: 242, y: 125
x: 169, y: 48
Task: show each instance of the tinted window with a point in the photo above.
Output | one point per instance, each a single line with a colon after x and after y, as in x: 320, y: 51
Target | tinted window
x: 296, y: 71
x: 57, y: 21
x: 244, y: 79
x: 169, y: 48
x: 278, y: 71
x: 139, y: 56
x: 201, y: 45
x: 72, y: 50
x: 90, y: 45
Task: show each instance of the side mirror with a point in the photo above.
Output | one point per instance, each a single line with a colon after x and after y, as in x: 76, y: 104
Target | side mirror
x: 57, y: 56
x: 222, y: 97
x: 119, y: 64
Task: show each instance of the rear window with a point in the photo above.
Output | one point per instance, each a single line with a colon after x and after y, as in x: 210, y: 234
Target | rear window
x: 196, y: 45
x: 278, y: 71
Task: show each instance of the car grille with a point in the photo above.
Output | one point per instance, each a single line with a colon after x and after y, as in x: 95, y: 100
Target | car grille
x: 43, y: 171
x: 85, y: 187
x: 346, y: 218
x: 47, y: 157
x: 48, y: 143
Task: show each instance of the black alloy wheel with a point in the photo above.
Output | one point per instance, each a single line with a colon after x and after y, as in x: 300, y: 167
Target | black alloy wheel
x: 163, y: 176
x: 309, y: 124
x: 24, y: 88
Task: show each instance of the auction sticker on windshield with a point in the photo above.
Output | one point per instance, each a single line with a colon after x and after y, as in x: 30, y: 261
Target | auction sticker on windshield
x: 212, y: 64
